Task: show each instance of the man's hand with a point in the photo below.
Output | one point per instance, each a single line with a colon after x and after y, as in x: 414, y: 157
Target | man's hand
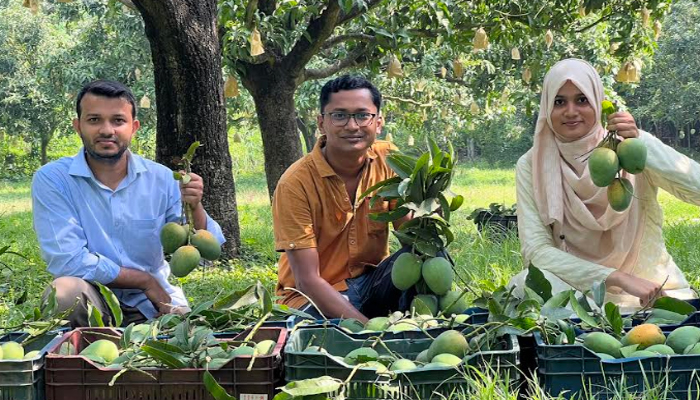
x: 193, y: 190
x: 159, y: 297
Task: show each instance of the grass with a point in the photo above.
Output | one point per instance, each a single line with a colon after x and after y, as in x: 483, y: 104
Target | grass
x: 480, y: 260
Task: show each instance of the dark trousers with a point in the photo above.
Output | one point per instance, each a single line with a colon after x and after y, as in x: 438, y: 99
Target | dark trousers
x: 373, y: 293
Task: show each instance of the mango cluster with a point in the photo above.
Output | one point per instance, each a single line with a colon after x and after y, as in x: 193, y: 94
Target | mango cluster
x: 646, y: 340
x: 433, y: 278
x: 15, y: 351
x: 187, y: 248
x: 396, y: 323
x: 607, y: 160
x: 449, y: 350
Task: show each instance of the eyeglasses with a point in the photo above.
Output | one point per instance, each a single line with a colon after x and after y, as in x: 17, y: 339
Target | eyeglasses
x: 342, y: 118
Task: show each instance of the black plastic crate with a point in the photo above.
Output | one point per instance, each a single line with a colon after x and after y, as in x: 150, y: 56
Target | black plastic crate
x: 24, y: 379
x: 424, y: 384
x: 574, y: 370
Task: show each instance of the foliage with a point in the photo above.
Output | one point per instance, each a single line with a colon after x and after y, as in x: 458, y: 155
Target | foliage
x: 672, y: 114
x: 47, y: 57
x: 421, y: 187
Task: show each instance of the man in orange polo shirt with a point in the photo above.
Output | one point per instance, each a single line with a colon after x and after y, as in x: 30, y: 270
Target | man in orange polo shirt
x: 333, y: 252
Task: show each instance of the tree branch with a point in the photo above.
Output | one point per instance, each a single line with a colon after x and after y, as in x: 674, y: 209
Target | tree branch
x: 344, y: 38
x: 410, y: 101
x: 318, y: 30
x: 356, y: 11
x: 350, y: 60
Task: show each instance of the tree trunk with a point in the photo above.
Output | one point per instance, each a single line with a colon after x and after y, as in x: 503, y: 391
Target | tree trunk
x: 309, y: 137
x: 45, y: 138
x: 190, y: 100
x: 273, y: 93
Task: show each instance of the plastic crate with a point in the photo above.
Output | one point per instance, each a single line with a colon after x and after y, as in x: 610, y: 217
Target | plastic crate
x: 424, y: 384
x: 573, y: 370
x: 77, y: 378
x: 24, y: 379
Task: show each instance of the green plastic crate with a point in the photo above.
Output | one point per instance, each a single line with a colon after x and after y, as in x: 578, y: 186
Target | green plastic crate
x: 424, y: 384
x: 24, y: 379
x: 573, y: 370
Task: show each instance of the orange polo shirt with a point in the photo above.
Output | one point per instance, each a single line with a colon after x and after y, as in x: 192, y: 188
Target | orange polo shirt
x: 311, y: 209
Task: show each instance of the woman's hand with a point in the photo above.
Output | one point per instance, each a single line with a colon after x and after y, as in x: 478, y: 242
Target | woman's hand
x: 647, y: 291
x: 623, y: 122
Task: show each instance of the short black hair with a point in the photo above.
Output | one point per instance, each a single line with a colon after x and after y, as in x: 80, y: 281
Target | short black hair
x: 106, y: 88
x: 349, y: 82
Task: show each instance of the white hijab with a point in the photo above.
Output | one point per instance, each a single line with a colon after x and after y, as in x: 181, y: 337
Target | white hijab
x: 582, y: 221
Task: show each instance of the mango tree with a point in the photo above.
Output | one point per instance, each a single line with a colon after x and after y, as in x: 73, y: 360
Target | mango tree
x: 269, y: 44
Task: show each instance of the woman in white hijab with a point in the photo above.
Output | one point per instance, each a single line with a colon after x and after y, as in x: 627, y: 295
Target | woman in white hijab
x: 566, y: 226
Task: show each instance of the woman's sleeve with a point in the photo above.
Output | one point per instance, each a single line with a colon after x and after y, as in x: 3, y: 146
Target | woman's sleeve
x: 670, y: 170
x: 536, y: 242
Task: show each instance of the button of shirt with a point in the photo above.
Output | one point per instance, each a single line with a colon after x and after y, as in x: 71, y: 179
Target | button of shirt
x: 352, y: 241
x: 292, y: 245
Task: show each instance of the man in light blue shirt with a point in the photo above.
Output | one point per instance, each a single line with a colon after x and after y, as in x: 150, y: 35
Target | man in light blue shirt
x: 98, y: 215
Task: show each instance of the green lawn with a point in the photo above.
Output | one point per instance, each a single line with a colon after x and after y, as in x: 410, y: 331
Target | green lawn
x: 479, y: 259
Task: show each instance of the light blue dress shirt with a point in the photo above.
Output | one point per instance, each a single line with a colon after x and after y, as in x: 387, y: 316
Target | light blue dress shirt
x: 87, y: 230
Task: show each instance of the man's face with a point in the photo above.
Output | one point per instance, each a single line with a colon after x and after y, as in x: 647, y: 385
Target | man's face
x: 106, y: 127
x: 350, y: 137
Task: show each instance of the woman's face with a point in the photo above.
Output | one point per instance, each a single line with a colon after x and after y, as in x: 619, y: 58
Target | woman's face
x: 573, y: 116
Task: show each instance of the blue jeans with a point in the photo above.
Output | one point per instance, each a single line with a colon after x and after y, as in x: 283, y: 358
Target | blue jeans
x: 373, y: 293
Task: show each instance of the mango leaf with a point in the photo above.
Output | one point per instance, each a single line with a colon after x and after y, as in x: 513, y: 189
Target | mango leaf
x: 390, y: 216
x: 425, y: 247
x: 532, y: 295
x: 399, y: 166
x: 426, y: 207
x: 404, y: 187
x: 536, y: 281
x: 555, y: 313
x: 422, y: 161
x: 94, y: 316
x: 405, y: 238
x: 583, y: 302
x: 37, y: 313
x: 390, y: 191
x: 560, y: 299
x: 48, y: 308
x: 125, y: 340
x: 201, y: 307
x: 215, y: 390
x: 568, y: 330
x: 580, y: 311
x: 182, y: 333
x: 449, y: 236
x: 675, y: 305
x: 394, y: 179
x: 165, y: 346
x: 528, y: 305
x: 190, y: 151
x: 169, y: 359
x: 416, y: 186
x: 406, y: 160
x: 186, y: 179
x: 112, y: 303
x: 456, y: 202
x: 599, y: 294
x: 265, y: 298
x: 627, y: 351
x: 237, y: 299
x: 313, y: 386
x: 495, y: 309
x: 444, y: 206
x: 612, y: 313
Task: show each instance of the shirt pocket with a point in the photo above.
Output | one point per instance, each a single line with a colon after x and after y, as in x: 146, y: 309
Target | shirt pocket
x: 377, y: 227
x: 144, y: 247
